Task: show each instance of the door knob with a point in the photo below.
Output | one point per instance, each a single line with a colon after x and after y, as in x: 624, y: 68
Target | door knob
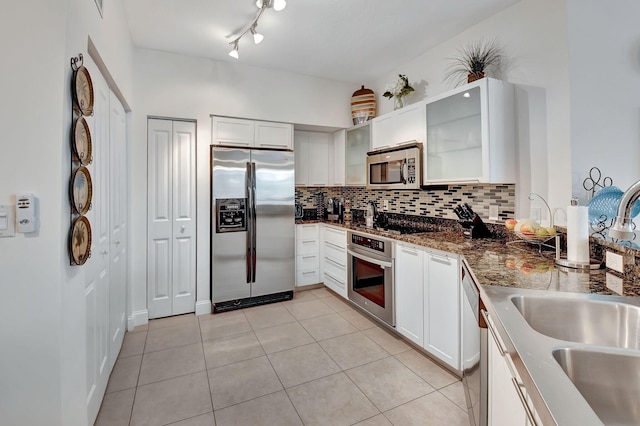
x: 183, y: 228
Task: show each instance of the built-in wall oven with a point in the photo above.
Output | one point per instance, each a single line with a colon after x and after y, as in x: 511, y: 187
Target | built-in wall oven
x: 370, y: 274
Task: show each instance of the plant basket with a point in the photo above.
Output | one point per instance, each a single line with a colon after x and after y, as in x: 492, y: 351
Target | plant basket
x: 474, y: 76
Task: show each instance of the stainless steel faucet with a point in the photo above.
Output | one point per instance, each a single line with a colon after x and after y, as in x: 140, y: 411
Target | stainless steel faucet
x: 622, y: 228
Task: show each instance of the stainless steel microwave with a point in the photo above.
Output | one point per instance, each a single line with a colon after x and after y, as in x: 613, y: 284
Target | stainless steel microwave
x: 399, y: 167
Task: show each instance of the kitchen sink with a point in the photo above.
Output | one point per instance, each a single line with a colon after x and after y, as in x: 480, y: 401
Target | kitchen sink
x: 581, y: 320
x: 608, y: 381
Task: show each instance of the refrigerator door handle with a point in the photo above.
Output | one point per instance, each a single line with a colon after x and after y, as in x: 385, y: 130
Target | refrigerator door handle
x: 254, y: 253
x: 248, y: 188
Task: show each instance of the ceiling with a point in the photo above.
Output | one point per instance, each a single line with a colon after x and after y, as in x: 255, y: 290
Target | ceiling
x: 346, y: 40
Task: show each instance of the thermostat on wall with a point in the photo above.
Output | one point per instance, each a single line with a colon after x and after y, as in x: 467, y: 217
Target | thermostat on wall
x: 26, y: 213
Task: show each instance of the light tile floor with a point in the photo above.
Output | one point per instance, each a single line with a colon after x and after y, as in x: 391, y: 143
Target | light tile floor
x: 313, y: 360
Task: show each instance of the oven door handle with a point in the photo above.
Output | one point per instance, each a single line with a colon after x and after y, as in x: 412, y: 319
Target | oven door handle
x: 378, y: 262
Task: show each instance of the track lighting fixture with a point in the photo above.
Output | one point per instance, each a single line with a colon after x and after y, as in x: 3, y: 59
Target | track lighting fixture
x: 276, y: 5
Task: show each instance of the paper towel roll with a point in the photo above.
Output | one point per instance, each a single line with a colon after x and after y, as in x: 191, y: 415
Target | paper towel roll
x: 578, y: 234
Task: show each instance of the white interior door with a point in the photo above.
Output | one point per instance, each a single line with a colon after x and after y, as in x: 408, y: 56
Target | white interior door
x: 97, y: 267
x: 171, y: 257
x: 118, y: 224
x: 105, y: 271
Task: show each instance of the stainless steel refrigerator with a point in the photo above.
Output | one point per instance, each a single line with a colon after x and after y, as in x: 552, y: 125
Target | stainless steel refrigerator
x: 252, y: 227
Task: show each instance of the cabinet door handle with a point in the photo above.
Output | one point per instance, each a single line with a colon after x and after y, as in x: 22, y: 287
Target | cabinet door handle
x: 494, y: 333
x: 523, y: 400
x: 409, y: 251
x: 309, y: 272
x: 334, y: 262
x: 441, y: 259
x: 337, y: 247
x: 308, y: 257
x: 274, y: 144
x: 337, y: 281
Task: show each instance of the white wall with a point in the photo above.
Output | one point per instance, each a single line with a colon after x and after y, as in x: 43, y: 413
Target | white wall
x: 533, y: 35
x: 175, y: 86
x: 31, y: 116
x: 42, y: 379
x: 604, y: 64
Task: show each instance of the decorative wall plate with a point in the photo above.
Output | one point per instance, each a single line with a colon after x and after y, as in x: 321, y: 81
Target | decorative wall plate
x: 81, y: 190
x: 83, y: 91
x: 80, y: 241
x: 81, y: 147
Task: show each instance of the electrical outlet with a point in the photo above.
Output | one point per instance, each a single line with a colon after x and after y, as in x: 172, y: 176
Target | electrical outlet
x: 614, y: 283
x: 615, y: 261
x: 493, y: 212
x: 385, y: 205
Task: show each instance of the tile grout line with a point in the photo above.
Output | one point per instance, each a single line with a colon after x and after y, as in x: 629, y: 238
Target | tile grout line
x: 135, y: 392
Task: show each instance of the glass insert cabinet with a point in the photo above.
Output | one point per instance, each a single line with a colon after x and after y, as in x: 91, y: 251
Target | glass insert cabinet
x: 471, y: 134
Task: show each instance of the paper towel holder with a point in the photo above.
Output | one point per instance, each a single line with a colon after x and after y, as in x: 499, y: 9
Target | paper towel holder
x: 563, y: 261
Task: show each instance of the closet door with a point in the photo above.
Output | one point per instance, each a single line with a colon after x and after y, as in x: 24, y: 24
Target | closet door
x: 171, y: 257
x: 97, y: 279
x: 118, y: 190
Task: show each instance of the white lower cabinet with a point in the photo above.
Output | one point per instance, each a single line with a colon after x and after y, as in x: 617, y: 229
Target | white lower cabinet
x: 507, y: 395
x: 442, y: 307
x: 409, y: 285
x: 333, y: 258
x: 307, y: 254
x: 428, y: 300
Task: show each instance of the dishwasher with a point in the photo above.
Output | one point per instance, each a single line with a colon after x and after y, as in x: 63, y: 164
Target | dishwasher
x: 474, y: 351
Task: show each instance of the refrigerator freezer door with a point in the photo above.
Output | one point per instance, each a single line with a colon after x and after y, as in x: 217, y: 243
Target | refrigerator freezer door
x: 229, y: 250
x: 275, y: 222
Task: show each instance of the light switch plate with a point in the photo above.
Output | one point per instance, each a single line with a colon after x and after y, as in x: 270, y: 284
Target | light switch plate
x: 7, y: 221
x: 615, y: 261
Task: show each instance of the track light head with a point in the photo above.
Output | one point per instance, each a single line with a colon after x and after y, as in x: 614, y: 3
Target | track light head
x: 277, y: 5
x: 234, y: 51
x: 257, y: 37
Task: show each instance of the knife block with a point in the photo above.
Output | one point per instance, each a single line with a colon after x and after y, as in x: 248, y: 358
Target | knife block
x: 475, y: 228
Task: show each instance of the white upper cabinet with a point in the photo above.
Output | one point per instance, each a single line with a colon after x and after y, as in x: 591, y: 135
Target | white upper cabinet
x: 471, y: 134
x: 357, y: 144
x: 403, y: 125
x: 312, y: 154
x: 273, y: 135
x: 250, y: 133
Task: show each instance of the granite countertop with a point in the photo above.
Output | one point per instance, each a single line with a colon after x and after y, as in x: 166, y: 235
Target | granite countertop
x: 513, y: 264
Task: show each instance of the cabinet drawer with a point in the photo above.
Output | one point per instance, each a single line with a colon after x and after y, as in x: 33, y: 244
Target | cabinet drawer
x: 307, y: 262
x: 334, y: 284
x: 307, y: 246
x: 308, y: 231
x: 335, y: 253
x: 307, y: 277
x: 335, y: 269
x: 336, y: 236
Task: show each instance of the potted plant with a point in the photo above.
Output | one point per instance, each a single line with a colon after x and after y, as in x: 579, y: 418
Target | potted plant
x: 473, y: 61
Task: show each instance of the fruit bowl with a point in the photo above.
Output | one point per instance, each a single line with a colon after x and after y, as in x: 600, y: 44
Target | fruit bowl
x: 530, y: 231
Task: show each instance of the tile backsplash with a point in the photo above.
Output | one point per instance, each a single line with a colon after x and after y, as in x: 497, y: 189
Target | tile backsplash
x: 437, y: 202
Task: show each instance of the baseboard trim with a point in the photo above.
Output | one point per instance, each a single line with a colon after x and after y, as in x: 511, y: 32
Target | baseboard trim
x: 137, y: 318
x: 203, y: 307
